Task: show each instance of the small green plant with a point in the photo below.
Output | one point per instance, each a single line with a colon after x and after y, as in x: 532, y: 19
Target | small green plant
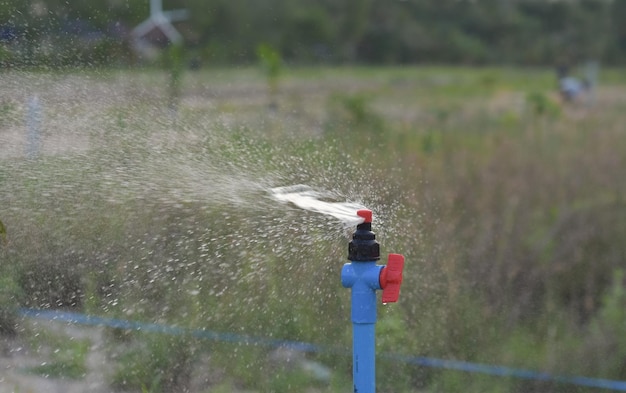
x: 6, y: 56
x: 9, y: 294
x: 272, y: 64
x: 67, y: 360
x: 541, y: 105
x: 7, y: 109
x: 357, y: 107
x: 3, y: 233
x: 351, y: 115
x: 429, y: 142
x: 286, y: 381
x: 8, y: 305
x: 174, y: 63
x: 456, y: 382
x: 156, y: 364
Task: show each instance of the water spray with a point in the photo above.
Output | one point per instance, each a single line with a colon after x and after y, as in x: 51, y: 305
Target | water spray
x: 365, y: 277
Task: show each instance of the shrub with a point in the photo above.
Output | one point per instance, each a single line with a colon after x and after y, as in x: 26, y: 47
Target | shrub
x: 156, y: 363
x: 9, y: 303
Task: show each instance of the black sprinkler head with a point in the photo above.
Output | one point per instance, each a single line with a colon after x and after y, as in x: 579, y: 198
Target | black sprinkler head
x: 364, y: 246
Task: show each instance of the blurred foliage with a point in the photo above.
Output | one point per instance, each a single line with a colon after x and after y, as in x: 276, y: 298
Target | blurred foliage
x: 272, y: 64
x: 9, y: 302
x: 174, y: 60
x: 66, y: 361
x: 57, y: 33
x: 156, y: 364
x: 3, y: 234
x: 270, y: 61
x: 9, y: 292
x: 540, y: 104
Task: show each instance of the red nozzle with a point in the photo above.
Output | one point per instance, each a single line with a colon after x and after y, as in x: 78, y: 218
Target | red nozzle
x: 391, y: 278
x: 366, y: 214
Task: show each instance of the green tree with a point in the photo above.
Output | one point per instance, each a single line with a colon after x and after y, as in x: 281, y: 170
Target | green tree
x: 229, y: 31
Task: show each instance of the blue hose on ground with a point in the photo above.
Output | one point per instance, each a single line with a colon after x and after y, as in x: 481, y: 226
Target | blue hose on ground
x: 500, y: 371
x: 91, y: 320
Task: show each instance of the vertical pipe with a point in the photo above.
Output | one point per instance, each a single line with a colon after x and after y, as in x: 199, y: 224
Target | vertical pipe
x: 33, y: 126
x: 362, y: 275
x: 156, y: 7
x: 363, y: 362
x: 363, y: 278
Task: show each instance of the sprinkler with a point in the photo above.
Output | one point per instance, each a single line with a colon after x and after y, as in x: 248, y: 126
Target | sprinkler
x: 365, y: 277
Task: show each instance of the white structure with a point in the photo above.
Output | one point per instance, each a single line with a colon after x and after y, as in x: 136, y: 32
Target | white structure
x: 159, y: 22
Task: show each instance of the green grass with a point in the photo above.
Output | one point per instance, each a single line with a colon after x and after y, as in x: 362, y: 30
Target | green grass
x: 67, y: 357
x: 507, y: 204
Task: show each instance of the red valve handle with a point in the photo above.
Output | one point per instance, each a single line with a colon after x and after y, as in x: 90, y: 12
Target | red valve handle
x: 391, y: 278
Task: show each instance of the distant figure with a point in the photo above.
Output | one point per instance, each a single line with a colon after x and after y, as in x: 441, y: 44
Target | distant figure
x: 571, y: 88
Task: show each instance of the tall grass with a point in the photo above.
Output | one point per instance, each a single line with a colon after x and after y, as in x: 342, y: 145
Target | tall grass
x: 510, y: 216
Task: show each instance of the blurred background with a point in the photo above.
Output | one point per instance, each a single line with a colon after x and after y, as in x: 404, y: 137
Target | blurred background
x: 521, y: 32
x: 140, y: 142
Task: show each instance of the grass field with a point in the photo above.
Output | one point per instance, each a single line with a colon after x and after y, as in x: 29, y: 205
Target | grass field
x: 507, y: 204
